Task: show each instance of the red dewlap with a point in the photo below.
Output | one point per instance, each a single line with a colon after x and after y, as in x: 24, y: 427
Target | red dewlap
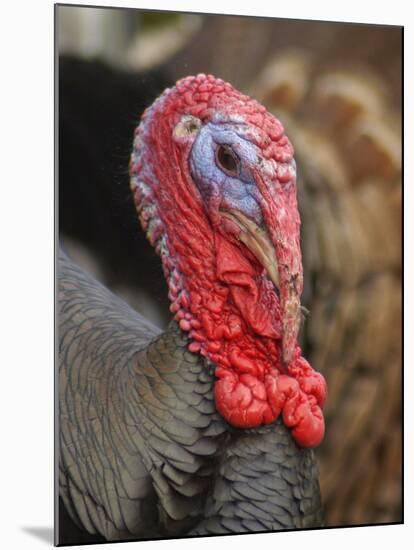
x: 245, y: 401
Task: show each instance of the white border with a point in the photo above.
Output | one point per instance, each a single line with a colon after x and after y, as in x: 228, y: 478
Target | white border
x: 26, y: 252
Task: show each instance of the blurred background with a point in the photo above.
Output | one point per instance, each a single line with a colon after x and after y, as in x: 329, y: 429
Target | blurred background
x: 337, y: 89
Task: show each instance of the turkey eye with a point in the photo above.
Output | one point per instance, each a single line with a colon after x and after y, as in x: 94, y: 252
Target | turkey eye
x: 227, y: 160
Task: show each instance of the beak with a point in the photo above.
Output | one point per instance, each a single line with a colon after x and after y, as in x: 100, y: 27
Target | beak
x: 257, y: 241
x: 277, y: 248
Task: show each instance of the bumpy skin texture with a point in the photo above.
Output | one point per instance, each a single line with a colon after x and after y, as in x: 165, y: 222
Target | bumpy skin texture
x: 220, y: 293
x: 142, y: 451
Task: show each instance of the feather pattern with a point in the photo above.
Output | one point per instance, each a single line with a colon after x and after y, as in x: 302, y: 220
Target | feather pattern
x: 138, y: 429
x: 143, y: 452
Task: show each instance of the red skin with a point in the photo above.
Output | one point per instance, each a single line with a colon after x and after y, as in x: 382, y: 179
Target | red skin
x: 218, y: 291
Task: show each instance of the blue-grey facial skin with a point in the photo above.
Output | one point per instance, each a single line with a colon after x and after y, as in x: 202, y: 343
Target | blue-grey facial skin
x: 218, y: 189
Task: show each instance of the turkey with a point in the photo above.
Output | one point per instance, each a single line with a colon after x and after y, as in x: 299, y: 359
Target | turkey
x: 207, y: 427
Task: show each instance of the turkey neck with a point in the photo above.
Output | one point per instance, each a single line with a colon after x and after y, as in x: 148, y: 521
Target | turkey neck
x: 138, y: 406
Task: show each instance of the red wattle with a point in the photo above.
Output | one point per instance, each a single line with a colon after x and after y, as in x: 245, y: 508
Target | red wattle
x: 246, y: 402
x: 234, y: 269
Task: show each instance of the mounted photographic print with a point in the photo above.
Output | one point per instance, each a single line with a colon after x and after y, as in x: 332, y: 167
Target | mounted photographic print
x: 228, y: 275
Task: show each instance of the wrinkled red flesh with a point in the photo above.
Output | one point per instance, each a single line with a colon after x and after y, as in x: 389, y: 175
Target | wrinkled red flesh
x: 223, y: 300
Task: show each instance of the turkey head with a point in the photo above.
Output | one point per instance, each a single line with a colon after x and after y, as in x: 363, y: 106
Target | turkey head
x: 214, y: 183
